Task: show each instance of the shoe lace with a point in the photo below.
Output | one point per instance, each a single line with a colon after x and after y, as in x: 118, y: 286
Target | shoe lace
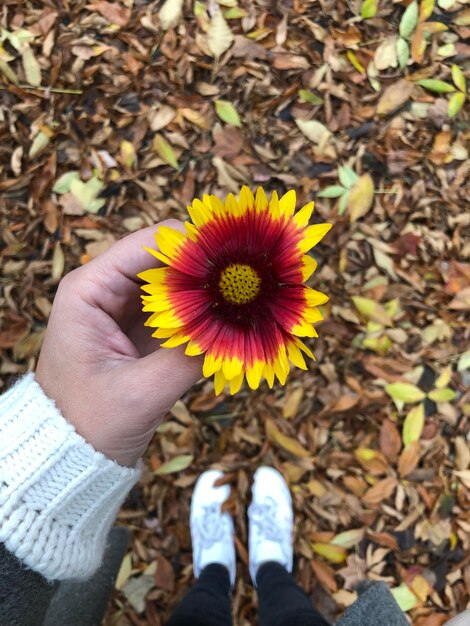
x: 210, y: 525
x: 265, y: 517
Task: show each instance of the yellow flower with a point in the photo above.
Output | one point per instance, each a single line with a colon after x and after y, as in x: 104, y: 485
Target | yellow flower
x: 233, y: 287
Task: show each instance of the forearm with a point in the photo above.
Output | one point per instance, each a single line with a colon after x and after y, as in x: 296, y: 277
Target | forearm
x: 58, y: 496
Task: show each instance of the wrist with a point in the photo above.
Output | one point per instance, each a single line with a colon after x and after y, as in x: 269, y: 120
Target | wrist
x: 58, y: 495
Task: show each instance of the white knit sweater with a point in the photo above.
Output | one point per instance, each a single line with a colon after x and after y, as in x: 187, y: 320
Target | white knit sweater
x: 58, y: 496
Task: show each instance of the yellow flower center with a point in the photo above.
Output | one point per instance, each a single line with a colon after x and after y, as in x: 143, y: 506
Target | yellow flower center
x: 239, y: 283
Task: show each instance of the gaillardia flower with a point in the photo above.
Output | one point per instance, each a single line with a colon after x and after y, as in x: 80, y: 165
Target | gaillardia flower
x: 233, y: 287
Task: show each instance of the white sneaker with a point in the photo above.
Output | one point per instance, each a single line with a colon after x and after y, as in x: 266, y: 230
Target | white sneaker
x: 270, y: 521
x: 211, y: 530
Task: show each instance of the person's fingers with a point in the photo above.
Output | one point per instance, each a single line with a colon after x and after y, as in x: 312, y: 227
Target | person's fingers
x: 110, y: 280
x: 121, y: 263
x: 165, y: 375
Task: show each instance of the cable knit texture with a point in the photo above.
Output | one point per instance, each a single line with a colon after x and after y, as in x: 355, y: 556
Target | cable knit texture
x: 58, y: 495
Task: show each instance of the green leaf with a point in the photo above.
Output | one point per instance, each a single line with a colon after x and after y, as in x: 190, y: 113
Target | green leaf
x: 403, y: 52
x: 458, y: 78
x: 438, y: 86
x: 334, y: 191
x: 178, y: 464
x: 343, y: 203
x: 464, y: 362
x: 308, y: 96
x: 227, y: 112
x: 31, y: 66
x: 413, y: 424
x: 456, y: 102
x: 40, y: 142
x: 165, y: 151
x: 235, y: 13
x: 442, y: 395
x: 63, y: 184
x: 347, y: 176
x: 406, y: 392
x: 372, y: 310
x: 409, y: 20
x: 404, y: 597
x: 87, y: 194
x: 369, y: 9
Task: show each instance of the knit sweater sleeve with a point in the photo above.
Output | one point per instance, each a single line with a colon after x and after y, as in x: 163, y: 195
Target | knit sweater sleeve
x: 58, y: 495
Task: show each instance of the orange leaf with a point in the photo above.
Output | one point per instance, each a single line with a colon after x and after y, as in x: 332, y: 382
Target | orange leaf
x: 379, y: 492
x: 409, y: 458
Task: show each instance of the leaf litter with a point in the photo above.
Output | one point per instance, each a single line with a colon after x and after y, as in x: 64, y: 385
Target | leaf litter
x: 114, y: 115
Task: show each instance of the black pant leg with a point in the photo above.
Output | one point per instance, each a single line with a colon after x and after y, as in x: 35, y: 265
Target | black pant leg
x: 281, y: 601
x: 207, y: 603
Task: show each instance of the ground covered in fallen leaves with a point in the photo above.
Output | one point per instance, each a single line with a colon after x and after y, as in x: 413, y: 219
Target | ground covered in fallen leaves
x: 114, y: 115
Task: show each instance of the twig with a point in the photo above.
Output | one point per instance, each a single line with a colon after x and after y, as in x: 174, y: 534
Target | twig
x: 76, y: 92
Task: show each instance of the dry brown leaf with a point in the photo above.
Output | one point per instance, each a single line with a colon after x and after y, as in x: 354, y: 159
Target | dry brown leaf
x: 409, y: 458
x: 382, y: 490
x: 287, y: 443
x: 390, y: 440
x: 394, y: 97
x: 324, y: 574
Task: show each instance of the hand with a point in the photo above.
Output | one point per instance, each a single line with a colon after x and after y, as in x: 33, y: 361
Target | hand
x: 100, y: 363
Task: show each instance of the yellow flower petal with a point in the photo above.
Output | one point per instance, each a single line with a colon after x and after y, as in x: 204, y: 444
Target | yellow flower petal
x: 156, y: 276
x: 274, y: 205
x: 303, y: 329
x: 315, y: 298
x: 200, y: 213
x: 309, y: 266
x: 246, y: 199
x: 313, y: 234
x: 287, y: 203
x: 193, y: 349
x: 261, y: 202
x: 295, y: 355
x: 219, y: 382
x: 176, y: 340
x: 268, y: 373
x: 254, y: 373
x: 236, y: 383
x: 231, y: 367
x: 211, y: 365
x: 302, y: 218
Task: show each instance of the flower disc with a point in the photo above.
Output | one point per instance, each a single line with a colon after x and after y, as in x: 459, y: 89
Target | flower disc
x: 233, y: 287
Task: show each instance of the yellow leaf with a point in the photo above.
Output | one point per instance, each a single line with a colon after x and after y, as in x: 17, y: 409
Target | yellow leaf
x: 170, y: 13
x: 441, y: 395
x: 58, y: 262
x: 195, y: 118
x: 444, y: 377
x: 355, y: 61
x: 369, y: 9
x: 406, y: 392
x: 425, y: 10
x: 31, y: 66
x: 127, y: 154
x: 413, y: 424
x: 287, y: 443
x: 456, y: 102
x: 361, y: 197
x: 349, y: 538
x: 219, y: 35
x: 334, y: 554
x: 372, y: 310
x: 165, y: 151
